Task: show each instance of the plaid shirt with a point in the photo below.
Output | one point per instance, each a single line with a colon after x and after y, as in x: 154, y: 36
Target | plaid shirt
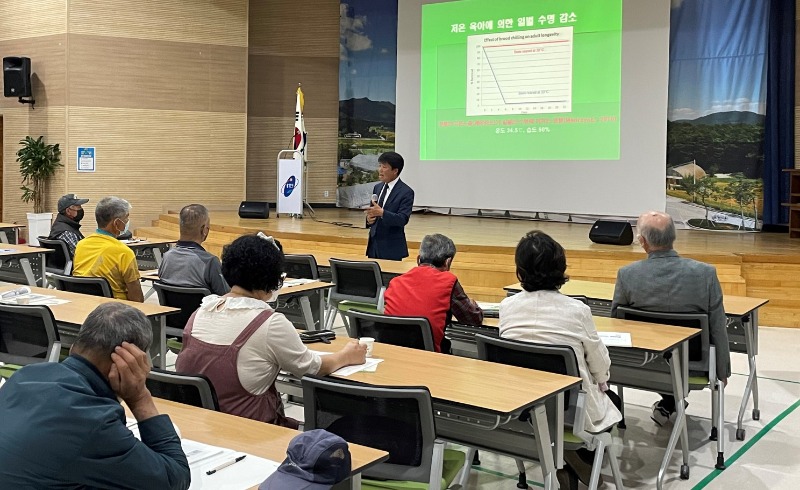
x: 71, y: 239
x: 464, y: 309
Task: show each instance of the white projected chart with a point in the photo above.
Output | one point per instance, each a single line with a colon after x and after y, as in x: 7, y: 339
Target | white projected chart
x: 522, y: 72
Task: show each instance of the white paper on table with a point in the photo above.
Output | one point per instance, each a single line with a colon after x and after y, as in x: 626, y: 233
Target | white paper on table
x: 34, y: 299
x: 616, y: 339
x: 296, y: 282
x: 368, y: 366
x: 241, y: 475
x: 485, y: 305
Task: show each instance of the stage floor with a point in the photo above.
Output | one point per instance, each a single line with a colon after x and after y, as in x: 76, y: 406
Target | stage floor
x: 477, y: 232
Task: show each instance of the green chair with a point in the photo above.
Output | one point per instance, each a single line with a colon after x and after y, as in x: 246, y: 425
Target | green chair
x: 357, y: 285
x: 559, y: 359
x: 398, y: 420
x: 28, y: 335
x: 702, y: 367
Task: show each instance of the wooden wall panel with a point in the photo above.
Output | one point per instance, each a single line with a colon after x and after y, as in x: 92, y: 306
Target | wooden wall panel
x: 18, y: 123
x: 280, y: 57
x: 157, y: 158
x: 266, y: 136
x: 21, y: 19
x: 48, y: 73
x: 146, y: 74
x: 220, y: 22
x: 299, y: 27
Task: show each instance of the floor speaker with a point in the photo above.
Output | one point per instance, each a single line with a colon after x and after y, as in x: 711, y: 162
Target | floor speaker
x: 254, y: 210
x: 611, y: 232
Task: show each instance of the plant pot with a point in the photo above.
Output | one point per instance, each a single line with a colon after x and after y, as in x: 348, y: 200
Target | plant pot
x: 38, y: 225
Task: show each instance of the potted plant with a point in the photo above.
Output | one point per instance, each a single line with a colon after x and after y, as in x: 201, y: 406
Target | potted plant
x: 38, y: 162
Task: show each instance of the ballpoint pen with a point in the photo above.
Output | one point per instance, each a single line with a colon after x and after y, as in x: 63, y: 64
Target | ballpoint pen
x: 225, y: 465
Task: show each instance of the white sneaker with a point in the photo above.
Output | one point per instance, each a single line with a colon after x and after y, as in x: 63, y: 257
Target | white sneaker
x: 660, y: 415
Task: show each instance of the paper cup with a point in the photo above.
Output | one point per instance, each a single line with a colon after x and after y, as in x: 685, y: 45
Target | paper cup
x: 23, y: 301
x: 369, y: 342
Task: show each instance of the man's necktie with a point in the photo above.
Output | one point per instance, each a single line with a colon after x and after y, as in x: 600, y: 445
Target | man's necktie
x: 383, y: 195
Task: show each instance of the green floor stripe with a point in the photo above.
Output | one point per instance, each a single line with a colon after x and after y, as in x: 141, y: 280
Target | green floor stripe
x: 771, y: 379
x: 705, y: 481
x: 503, y: 475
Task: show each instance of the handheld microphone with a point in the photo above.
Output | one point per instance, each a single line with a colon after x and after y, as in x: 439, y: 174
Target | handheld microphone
x: 374, y: 199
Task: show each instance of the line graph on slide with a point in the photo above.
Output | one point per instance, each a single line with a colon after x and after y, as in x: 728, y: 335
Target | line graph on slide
x: 522, y: 72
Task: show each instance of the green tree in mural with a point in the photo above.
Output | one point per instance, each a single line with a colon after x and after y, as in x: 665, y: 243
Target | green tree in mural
x: 744, y: 192
x: 706, y: 189
x: 689, y: 184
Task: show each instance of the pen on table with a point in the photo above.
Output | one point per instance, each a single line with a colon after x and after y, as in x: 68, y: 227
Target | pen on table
x: 225, y: 465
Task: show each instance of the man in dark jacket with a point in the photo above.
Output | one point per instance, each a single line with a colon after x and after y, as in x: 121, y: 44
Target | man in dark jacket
x: 67, y: 225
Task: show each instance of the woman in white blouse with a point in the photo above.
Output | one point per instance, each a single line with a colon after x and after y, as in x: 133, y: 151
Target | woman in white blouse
x: 240, y: 343
x: 541, y: 314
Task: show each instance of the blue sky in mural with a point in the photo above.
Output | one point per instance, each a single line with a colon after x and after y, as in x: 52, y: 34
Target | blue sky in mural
x: 717, y: 57
x: 368, y: 49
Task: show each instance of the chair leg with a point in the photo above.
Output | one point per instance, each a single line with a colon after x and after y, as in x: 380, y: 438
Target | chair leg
x: 614, y: 463
x: 523, y: 478
x: 464, y: 478
x: 720, y: 421
x: 598, y: 463
x: 714, y: 413
x: 621, y: 424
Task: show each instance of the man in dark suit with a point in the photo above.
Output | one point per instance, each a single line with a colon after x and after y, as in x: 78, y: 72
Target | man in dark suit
x: 387, y: 217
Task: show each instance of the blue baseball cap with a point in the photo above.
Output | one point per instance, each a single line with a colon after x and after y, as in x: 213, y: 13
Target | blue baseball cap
x: 315, y: 460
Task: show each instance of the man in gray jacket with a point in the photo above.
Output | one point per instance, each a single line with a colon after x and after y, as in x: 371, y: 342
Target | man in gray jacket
x: 188, y: 264
x: 667, y: 282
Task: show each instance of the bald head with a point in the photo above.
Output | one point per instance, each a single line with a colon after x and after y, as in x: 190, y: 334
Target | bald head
x: 656, y: 231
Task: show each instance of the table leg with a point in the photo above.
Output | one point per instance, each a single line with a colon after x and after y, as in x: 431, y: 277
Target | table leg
x: 158, y: 351
x: 559, y: 431
x: 321, y: 294
x: 3, y: 236
x: 308, y: 317
x: 679, y: 373
x: 25, y: 263
x: 157, y: 255
x: 752, y: 378
x: 543, y: 446
x: 355, y: 482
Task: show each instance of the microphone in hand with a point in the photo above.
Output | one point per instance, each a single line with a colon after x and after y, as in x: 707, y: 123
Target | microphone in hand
x: 374, y: 200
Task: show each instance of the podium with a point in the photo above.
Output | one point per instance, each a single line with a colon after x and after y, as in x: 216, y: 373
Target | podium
x: 291, y: 187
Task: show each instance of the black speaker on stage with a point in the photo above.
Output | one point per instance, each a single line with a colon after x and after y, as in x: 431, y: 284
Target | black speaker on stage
x: 611, y: 232
x: 16, y: 76
x: 254, y: 210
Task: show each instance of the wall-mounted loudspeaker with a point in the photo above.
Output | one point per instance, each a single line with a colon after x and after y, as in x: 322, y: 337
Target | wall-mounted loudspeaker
x: 611, y: 232
x: 16, y: 76
x: 254, y: 210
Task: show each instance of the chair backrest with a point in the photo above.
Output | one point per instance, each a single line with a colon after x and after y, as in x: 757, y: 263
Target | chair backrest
x: 189, y: 389
x: 300, y: 266
x: 559, y: 359
x: 186, y: 298
x: 59, y: 261
x: 398, y: 420
x: 582, y: 299
x: 355, y: 280
x: 28, y: 335
x: 94, y: 286
x: 405, y: 331
x: 699, y: 346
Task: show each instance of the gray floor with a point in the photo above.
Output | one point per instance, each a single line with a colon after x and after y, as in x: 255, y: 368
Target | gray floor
x: 768, y: 458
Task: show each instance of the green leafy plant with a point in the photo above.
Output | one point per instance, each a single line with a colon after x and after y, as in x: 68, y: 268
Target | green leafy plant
x: 38, y: 162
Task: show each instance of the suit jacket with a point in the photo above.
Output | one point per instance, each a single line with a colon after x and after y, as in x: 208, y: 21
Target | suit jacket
x: 387, y: 236
x: 667, y: 282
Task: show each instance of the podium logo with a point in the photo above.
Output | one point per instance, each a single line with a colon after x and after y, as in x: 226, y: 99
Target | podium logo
x: 289, y: 186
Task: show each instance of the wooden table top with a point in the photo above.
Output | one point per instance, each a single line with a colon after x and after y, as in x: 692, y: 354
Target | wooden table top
x: 497, y: 388
x: 80, y: 305
x: 286, y: 289
x: 240, y: 434
x: 20, y: 249
x: 144, y: 242
x: 604, y: 291
x: 654, y: 337
x: 11, y: 225
x: 389, y: 266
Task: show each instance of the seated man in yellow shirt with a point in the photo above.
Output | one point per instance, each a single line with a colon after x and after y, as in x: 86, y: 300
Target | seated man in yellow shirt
x: 102, y: 255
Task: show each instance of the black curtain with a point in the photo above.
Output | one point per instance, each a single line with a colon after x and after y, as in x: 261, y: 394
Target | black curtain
x: 779, y: 124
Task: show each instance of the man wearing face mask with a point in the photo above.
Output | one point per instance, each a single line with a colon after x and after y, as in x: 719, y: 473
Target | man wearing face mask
x: 67, y: 225
x: 102, y: 255
x: 188, y: 264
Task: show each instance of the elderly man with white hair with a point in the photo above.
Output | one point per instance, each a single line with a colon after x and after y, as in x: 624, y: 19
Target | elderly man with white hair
x: 101, y: 254
x: 666, y: 282
x: 432, y: 291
